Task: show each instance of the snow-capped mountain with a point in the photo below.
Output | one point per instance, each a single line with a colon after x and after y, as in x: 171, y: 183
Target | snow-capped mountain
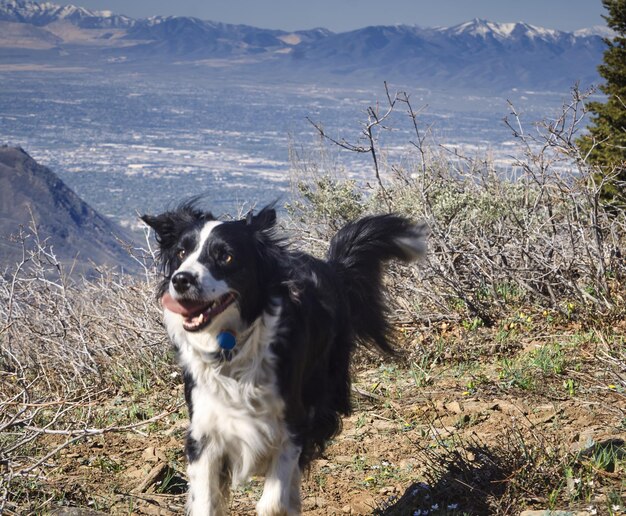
x: 45, y: 13
x: 478, y: 53
x: 597, y: 30
x: 500, y: 31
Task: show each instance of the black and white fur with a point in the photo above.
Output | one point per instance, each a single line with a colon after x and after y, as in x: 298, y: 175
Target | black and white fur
x: 269, y: 406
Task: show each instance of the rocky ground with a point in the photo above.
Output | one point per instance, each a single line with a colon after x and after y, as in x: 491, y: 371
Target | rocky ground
x: 530, y: 415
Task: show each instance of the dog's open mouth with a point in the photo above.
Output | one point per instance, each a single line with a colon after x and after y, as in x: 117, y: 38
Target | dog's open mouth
x: 197, y: 314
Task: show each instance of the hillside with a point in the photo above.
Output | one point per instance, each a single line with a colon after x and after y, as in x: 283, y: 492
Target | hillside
x: 77, y: 234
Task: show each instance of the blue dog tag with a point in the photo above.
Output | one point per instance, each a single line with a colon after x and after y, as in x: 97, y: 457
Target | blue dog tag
x: 226, y: 340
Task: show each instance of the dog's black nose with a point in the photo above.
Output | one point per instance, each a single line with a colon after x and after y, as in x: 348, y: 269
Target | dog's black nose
x: 182, y: 281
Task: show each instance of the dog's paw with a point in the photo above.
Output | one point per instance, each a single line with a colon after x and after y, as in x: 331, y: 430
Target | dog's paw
x: 272, y: 507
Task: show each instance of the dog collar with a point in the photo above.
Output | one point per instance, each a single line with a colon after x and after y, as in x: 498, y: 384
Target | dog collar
x: 227, y: 341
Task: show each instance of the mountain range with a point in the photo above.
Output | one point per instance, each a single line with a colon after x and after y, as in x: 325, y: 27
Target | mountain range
x: 81, y: 238
x: 475, y: 54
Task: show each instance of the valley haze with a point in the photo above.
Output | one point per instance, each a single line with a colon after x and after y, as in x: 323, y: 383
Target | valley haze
x: 135, y: 114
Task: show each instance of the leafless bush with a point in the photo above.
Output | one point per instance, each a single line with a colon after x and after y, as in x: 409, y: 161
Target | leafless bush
x: 537, y: 232
x: 65, y: 343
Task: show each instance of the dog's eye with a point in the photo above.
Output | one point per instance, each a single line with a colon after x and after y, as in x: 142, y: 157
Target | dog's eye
x: 223, y: 257
x: 181, y: 253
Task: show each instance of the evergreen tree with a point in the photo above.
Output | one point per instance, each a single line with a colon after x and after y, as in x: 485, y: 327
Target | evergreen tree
x: 606, y: 141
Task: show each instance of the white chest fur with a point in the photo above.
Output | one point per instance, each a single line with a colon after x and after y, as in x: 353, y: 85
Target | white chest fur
x: 237, y: 407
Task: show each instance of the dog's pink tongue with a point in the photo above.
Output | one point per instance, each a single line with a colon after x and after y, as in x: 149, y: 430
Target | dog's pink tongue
x: 184, y: 308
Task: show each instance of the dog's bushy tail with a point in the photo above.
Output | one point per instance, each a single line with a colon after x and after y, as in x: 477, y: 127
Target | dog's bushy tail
x: 360, y: 249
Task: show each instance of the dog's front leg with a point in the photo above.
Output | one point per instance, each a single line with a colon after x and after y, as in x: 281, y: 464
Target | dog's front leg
x: 281, y: 492
x: 209, y: 478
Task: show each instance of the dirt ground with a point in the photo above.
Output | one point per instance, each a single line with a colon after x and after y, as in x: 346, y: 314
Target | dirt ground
x: 463, y: 423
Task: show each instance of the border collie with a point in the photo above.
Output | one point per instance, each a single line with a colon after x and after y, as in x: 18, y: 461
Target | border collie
x: 264, y: 336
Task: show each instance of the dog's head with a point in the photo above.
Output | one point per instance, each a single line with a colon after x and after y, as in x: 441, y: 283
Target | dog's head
x: 215, y: 272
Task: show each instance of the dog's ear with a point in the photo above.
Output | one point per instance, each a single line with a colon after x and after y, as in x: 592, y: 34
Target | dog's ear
x: 157, y: 222
x: 168, y: 226
x: 262, y: 221
x: 165, y: 226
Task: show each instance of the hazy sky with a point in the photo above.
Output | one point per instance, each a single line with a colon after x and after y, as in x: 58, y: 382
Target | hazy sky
x: 342, y: 15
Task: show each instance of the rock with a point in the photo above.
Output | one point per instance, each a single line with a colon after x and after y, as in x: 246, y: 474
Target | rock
x: 179, y: 426
x: 479, y: 406
x: 509, y: 408
x: 152, y: 454
x: 382, y: 425
x: 454, y: 407
x: 314, y: 502
x: 350, y: 432
x: 541, y: 418
x: 443, y: 432
x: 137, y: 473
x: 154, y: 510
x: 363, y: 504
x: 583, y: 440
x: 155, y: 474
x: 408, y: 463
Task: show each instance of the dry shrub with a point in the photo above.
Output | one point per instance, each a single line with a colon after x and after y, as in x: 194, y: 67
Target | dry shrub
x: 66, y: 345
x: 534, y: 233
x: 471, y: 476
